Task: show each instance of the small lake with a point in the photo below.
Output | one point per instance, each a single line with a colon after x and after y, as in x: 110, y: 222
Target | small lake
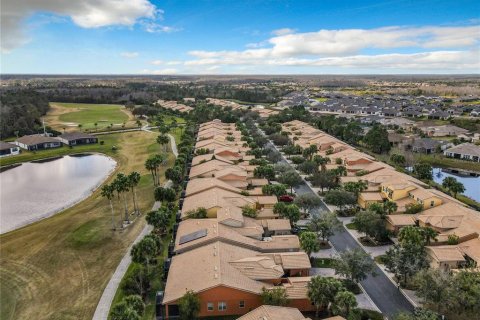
x: 34, y: 191
x: 472, y: 184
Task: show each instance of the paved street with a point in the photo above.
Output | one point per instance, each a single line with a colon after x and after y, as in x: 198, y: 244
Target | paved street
x: 380, y: 289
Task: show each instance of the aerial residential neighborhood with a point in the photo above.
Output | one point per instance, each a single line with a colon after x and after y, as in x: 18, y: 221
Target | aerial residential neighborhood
x: 251, y: 160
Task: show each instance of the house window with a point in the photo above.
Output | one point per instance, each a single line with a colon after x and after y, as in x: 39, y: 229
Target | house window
x: 241, y: 304
x: 222, y: 306
x: 210, y: 306
x: 432, y: 203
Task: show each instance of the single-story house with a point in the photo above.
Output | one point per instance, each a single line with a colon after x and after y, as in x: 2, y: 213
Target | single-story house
x: 425, y: 145
x: 76, y: 138
x: 8, y: 149
x: 37, y: 142
x: 465, y: 151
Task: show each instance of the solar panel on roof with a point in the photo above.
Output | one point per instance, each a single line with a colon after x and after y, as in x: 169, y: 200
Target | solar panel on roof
x: 193, y: 236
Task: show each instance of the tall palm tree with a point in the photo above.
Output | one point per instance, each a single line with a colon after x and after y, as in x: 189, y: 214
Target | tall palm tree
x: 158, y: 160
x: 163, y: 140
x: 133, y: 180
x: 108, y: 192
x: 122, y: 186
x: 150, y: 166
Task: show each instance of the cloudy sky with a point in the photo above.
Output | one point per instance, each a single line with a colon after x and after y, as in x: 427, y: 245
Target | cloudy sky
x: 239, y: 37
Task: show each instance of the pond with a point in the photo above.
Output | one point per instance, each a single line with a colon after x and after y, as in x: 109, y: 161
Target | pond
x: 34, y: 191
x: 471, y: 183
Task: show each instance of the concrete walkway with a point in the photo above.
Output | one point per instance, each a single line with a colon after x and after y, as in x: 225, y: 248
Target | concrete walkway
x: 103, y: 306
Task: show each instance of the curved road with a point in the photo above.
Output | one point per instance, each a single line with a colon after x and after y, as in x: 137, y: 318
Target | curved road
x: 380, y: 289
x: 103, y: 306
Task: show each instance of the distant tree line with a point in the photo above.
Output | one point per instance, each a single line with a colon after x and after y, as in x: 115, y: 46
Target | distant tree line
x: 20, y: 112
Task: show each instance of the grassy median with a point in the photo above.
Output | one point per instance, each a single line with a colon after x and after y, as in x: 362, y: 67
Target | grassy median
x: 57, y: 268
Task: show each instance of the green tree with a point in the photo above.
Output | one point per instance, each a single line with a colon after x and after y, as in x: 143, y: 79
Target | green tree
x: 288, y: 211
x: 249, y: 212
x: 354, y: 265
x: 355, y: 186
x: 390, y: 207
x: 344, y: 303
x: 321, y: 161
x: 267, y: 172
x: 159, y: 219
x: 324, y: 180
x: 423, y: 171
x: 189, y: 305
x: 377, y: 139
x: 418, y: 314
x: 145, y: 251
x: 325, y: 225
x: 398, y: 159
x: 405, y: 260
x: 453, y: 185
x: 122, y: 311
x: 352, y: 133
x: 274, y: 189
x: 163, y: 140
x: 291, y: 179
x: 372, y: 224
x: 165, y: 194
x: 136, y: 303
x: 199, y: 213
x: 276, y: 296
x: 307, y: 202
x: 309, y: 242
x: 322, y: 291
x: 340, y: 198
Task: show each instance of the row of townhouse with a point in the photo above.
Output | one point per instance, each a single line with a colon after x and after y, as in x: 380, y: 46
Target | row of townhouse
x: 225, y: 103
x: 174, y: 105
x: 36, y: 142
x: 441, y: 212
x: 226, y: 258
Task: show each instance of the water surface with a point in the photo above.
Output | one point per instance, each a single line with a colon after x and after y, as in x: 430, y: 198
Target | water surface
x: 34, y: 191
x: 471, y: 184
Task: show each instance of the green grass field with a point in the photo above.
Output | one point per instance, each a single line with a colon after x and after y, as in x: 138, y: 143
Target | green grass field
x: 87, y: 115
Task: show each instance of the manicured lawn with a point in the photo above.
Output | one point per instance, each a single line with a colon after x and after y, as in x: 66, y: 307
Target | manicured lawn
x: 57, y: 268
x: 321, y: 99
x: 322, y: 262
x: 67, y: 116
x: 351, y: 226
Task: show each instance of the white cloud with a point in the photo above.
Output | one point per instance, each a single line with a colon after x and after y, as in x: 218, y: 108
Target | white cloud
x: 157, y: 62
x: 457, y: 49
x: 154, y: 27
x: 283, y: 31
x: 84, y: 13
x: 129, y: 55
x: 160, y: 72
x: 173, y: 62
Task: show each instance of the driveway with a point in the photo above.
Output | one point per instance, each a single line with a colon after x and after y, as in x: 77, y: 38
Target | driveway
x: 379, y: 288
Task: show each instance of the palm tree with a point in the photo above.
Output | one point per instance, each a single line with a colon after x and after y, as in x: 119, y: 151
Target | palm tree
x: 150, y: 166
x: 133, y: 180
x: 174, y: 125
x: 107, y: 192
x: 163, y: 140
x: 96, y: 125
x: 390, y: 207
x: 122, y: 186
x: 429, y: 234
x: 158, y: 160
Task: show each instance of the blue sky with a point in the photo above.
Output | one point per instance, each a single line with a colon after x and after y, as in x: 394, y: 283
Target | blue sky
x: 239, y: 37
